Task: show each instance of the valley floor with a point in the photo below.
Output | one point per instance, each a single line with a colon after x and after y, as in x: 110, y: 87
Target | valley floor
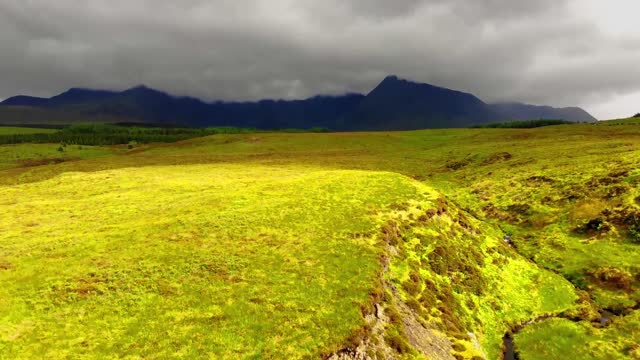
x: 424, y: 244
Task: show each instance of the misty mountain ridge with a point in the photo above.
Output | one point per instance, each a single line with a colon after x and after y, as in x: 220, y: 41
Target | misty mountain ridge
x: 395, y: 104
x: 519, y: 111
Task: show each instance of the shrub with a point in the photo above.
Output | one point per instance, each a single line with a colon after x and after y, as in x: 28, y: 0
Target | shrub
x: 634, y: 234
x: 398, y: 343
x: 612, y: 278
x: 598, y: 225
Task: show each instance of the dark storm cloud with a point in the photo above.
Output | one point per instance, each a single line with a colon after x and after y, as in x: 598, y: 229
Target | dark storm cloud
x: 537, y: 51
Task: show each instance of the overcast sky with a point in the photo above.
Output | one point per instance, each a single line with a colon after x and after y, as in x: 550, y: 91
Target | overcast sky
x: 556, y: 52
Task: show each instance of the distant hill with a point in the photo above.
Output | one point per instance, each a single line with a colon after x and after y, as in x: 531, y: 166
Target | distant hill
x: 395, y: 104
x: 629, y: 121
x: 517, y: 111
x: 22, y: 100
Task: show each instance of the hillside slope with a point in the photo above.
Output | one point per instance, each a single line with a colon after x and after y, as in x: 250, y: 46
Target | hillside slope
x: 517, y: 111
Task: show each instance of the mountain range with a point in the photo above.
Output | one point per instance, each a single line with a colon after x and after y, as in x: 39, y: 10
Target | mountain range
x: 395, y: 104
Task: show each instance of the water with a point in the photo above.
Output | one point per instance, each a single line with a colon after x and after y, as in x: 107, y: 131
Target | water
x: 509, y: 348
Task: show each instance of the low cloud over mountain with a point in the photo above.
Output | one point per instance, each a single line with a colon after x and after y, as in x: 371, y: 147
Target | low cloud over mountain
x: 567, y: 52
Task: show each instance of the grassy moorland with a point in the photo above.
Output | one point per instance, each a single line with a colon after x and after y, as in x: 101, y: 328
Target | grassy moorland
x: 107, y: 134
x: 630, y: 121
x: 9, y: 130
x: 31, y: 156
x: 618, y: 341
x: 178, y: 261
x: 299, y: 245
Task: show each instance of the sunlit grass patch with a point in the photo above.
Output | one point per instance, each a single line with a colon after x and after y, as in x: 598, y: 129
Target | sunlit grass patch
x: 458, y: 275
x: 31, y: 155
x: 555, y: 338
x: 162, y: 262
x: 8, y: 130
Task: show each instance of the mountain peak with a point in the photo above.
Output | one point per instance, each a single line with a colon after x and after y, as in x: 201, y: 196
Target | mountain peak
x: 391, y: 78
x: 399, y: 104
x: 396, y: 80
x: 76, y: 89
x: 394, y: 84
x: 140, y: 88
x: 143, y: 90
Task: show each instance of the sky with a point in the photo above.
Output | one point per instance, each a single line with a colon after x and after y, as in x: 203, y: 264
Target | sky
x: 554, y: 52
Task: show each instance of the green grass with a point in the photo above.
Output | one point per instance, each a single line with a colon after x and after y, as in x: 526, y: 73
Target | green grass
x: 99, y: 134
x: 29, y: 156
x: 629, y: 121
x: 553, y: 339
x: 184, y: 261
x: 6, y: 130
x: 457, y: 273
x: 173, y: 232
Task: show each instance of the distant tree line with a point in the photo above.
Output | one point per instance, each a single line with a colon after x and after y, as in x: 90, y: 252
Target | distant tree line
x: 636, y: 115
x: 101, y: 134
x: 528, y: 124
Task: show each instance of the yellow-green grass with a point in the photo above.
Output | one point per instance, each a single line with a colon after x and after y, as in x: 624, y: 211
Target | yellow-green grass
x: 562, y: 173
x: 189, y: 261
x: 457, y: 272
x: 557, y: 171
x: 231, y: 261
x: 9, y: 130
x: 555, y: 338
x: 629, y: 121
x: 28, y: 156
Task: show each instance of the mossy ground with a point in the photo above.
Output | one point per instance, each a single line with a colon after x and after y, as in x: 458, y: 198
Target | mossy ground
x: 156, y: 254
x: 555, y: 338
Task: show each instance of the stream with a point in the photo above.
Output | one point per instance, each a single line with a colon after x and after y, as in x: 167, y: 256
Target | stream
x: 508, y: 341
x: 509, y: 347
